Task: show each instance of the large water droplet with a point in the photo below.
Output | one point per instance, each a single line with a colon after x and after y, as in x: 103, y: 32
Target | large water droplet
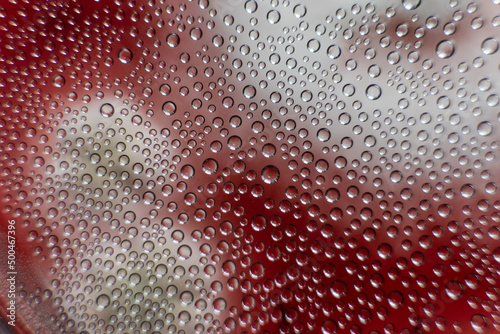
x: 454, y: 289
x: 173, y: 40
x: 484, y: 128
x: 270, y: 174
x: 210, y: 166
x: 489, y: 46
x: 169, y: 108
x: 273, y: 16
x: 411, y: 4
x: 338, y: 289
x: 323, y: 134
x: 445, y: 49
x: 107, y: 110
x: 333, y: 51
x: 373, y: 92
x: 249, y: 91
x: 103, y: 301
x: 125, y: 55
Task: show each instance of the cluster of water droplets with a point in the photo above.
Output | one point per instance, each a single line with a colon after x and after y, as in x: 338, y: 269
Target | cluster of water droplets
x: 254, y: 166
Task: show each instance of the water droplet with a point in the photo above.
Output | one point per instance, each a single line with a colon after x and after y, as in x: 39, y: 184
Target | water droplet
x: 234, y: 142
x: 484, y: 128
x: 219, y: 304
x: 103, y: 301
x: 299, y: 11
x: 218, y: 41
x: 467, y: 190
x: 313, y: 45
x: 395, y: 299
x: 186, y: 298
x: 323, y: 135
x: 184, y: 317
x: 187, y: 171
x: 196, y: 33
x: 396, y: 176
x: 306, y: 96
x: 373, y: 92
x: 454, y: 289
x: 251, y: 6
x: 107, y: 110
x: 173, y: 40
x: 270, y: 174
x: 259, y: 223
x: 257, y: 270
x: 249, y: 91
x: 184, y: 252
x: 273, y: 16
x: 333, y: 52
x: 210, y: 166
x: 273, y: 253
x: 228, y: 102
x: 39, y: 162
x: 489, y: 46
x: 149, y: 197
x: 411, y: 4
x: 443, y: 102
x: 59, y: 81
x: 328, y: 327
x: 479, y: 323
x: 125, y: 55
x: 384, y: 250
x: 165, y: 89
x: 445, y: 49
x: 338, y: 289
x: 169, y: 108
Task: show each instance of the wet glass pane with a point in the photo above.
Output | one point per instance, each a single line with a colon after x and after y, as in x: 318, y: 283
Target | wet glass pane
x: 248, y: 166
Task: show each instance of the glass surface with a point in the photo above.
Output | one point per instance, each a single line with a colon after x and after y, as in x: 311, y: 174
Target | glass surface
x: 250, y: 166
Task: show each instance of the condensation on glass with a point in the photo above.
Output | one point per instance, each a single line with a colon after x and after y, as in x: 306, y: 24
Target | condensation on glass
x: 251, y: 166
